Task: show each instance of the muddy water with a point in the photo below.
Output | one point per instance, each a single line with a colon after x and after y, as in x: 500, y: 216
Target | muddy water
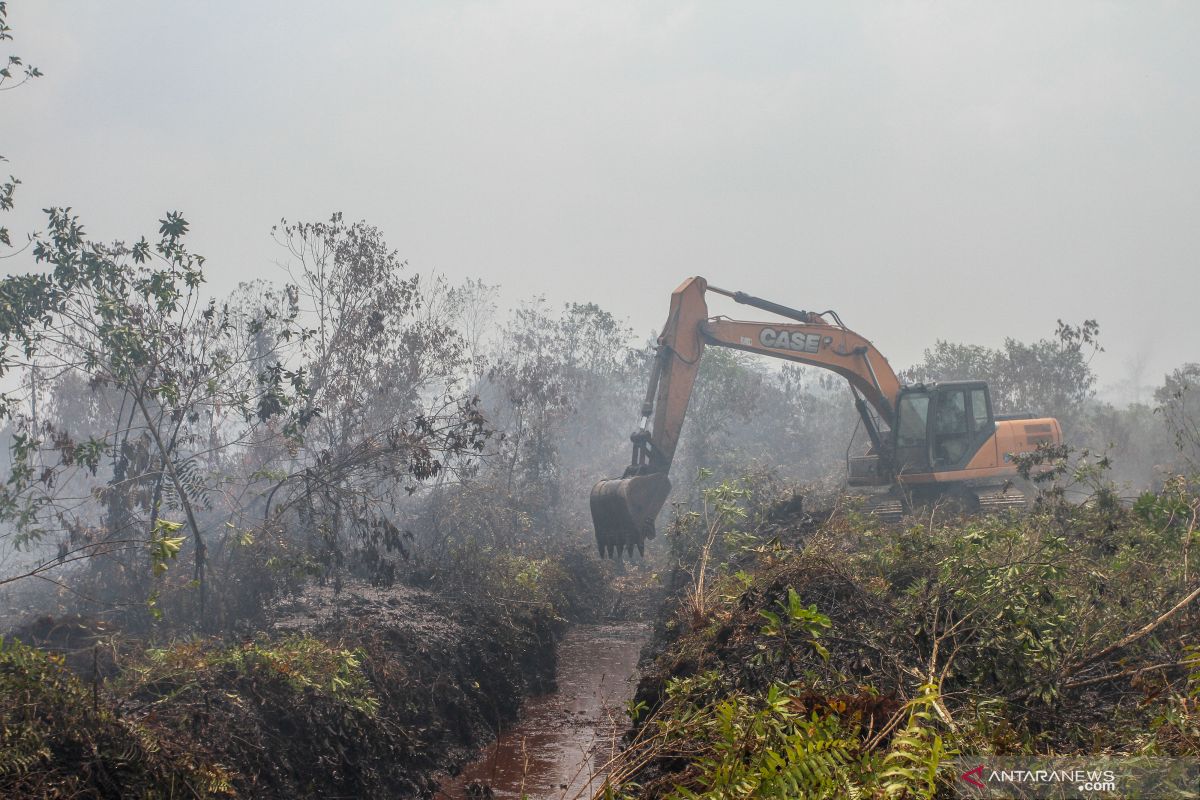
x: 558, y: 748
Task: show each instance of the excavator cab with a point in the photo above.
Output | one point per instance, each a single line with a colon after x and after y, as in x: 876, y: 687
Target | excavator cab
x: 939, y: 427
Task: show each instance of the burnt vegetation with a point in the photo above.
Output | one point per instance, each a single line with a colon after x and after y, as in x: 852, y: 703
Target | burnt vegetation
x: 834, y: 655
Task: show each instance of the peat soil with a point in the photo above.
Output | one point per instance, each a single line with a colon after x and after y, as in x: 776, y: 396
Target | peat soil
x: 447, y: 673
x: 559, y: 745
x: 563, y: 741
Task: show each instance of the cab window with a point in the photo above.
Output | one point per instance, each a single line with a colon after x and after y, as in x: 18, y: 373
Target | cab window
x: 913, y: 412
x: 951, y: 418
x: 981, y: 420
x: 951, y: 436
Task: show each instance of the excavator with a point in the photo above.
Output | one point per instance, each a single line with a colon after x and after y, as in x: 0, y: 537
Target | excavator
x: 926, y: 440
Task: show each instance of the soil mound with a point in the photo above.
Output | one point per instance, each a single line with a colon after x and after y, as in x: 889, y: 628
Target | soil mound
x: 365, y: 692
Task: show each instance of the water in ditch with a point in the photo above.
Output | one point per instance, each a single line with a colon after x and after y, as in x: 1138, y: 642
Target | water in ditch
x: 558, y: 748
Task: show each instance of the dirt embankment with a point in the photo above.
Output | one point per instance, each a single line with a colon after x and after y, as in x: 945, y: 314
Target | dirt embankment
x: 364, y: 694
x: 1065, y: 631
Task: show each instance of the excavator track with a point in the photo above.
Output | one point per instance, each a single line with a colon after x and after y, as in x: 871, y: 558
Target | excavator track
x: 995, y: 501
x: 886, y: 508
x: 984, y: 500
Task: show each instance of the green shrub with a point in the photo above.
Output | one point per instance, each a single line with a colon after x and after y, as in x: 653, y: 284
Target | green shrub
x: 59, y: 738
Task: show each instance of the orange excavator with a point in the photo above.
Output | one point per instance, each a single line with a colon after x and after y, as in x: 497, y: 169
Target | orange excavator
x: 926, y: 440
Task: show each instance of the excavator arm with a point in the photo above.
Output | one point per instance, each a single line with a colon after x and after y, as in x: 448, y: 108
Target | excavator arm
x: 624, y: 510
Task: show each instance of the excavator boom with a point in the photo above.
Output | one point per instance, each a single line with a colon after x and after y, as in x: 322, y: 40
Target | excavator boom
x: 624, y: 509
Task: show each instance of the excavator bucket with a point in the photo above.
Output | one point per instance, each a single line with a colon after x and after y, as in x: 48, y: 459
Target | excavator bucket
x: 623, y: 511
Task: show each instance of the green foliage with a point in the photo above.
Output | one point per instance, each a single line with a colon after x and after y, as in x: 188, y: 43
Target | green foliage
x: 300, y: 663
x: 1192, y: 663
x: 1172, y: 506
x: 58, y: 739
x: 333, y: 414
x: 793, y: 618
x: 124, y: 332
x: 541, y: 581
x: 770, y: 745
x: 723, y: 521
x: 762, y: 747
x: 164, y: 547
x: 706, y: 537
x: 1176, y: 728
x: 1018, y: 603
x: 1060, y: 630
x: 911, y: 764
x: 726, y: 500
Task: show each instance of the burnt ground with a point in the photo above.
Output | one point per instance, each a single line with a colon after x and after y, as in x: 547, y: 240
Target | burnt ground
x: 362, y: 692
x: 449, y: 672
x: 432, y: 678
x: 785, y: 523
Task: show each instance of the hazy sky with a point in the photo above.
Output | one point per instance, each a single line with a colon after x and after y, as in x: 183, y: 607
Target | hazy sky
x: 966, y: 171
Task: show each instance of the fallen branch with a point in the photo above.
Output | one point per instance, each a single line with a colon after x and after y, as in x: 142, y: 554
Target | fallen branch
x: 1128, y: 673
x: 1140, y: 633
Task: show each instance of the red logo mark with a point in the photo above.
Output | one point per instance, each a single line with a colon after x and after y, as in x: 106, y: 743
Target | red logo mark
x: 978, y: 771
